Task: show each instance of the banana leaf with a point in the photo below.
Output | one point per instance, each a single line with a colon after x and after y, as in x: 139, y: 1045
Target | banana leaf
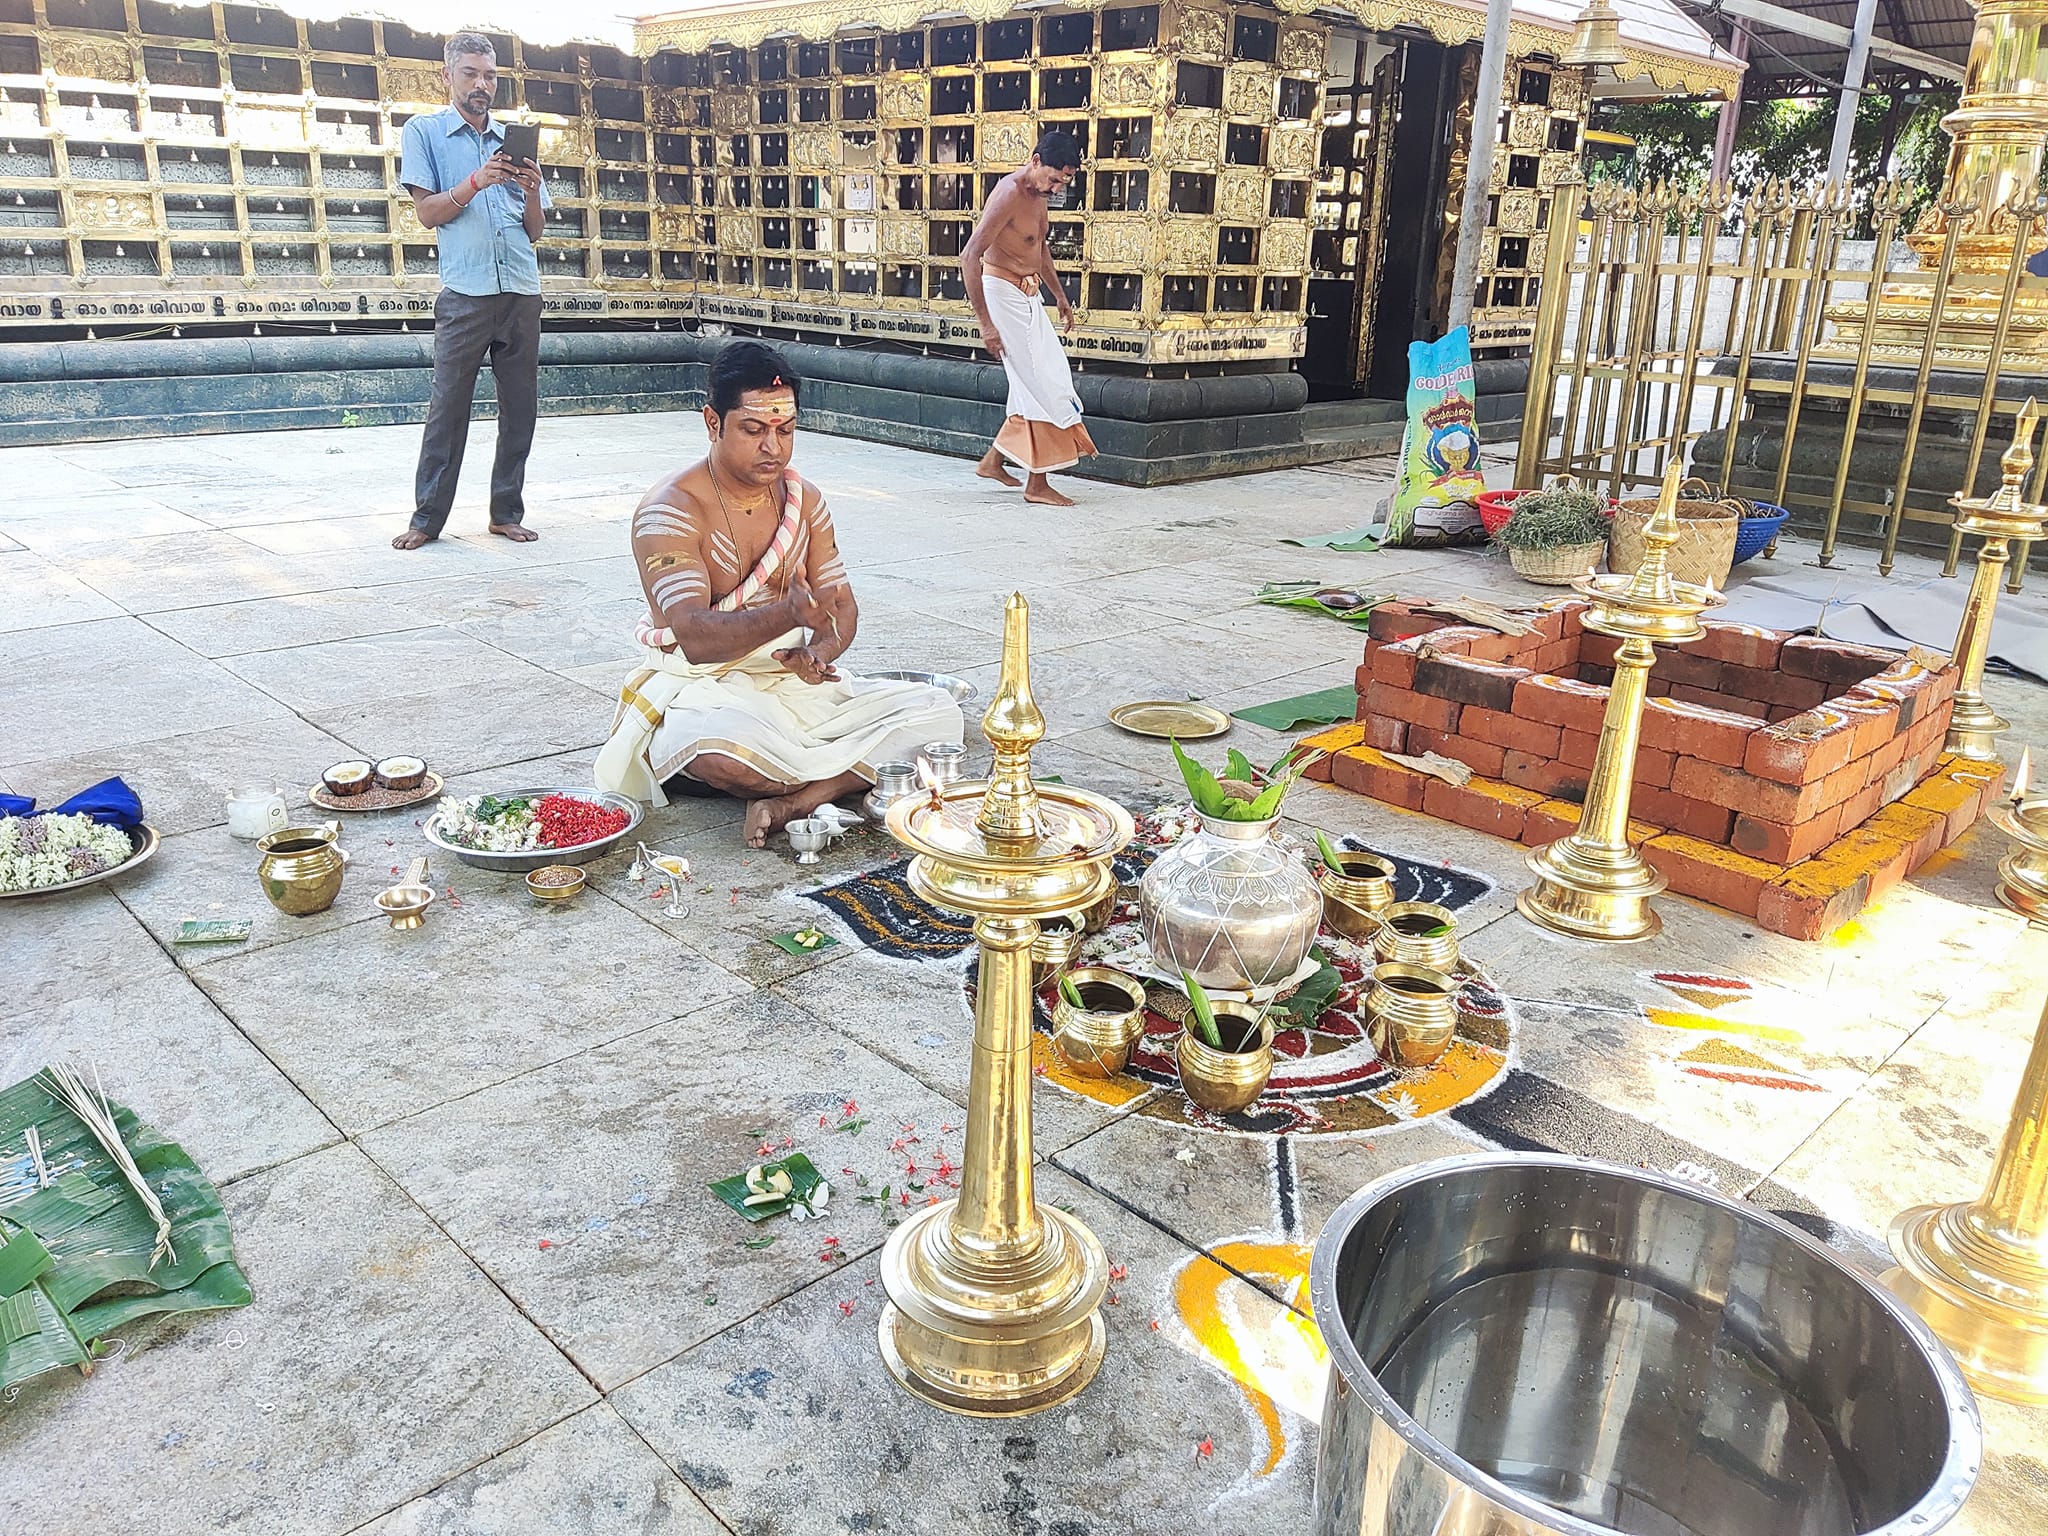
x: 98, y: 1237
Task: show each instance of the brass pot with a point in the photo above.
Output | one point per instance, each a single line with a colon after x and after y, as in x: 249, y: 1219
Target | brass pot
x: 1223, y: 1082
x: 1054, y: 946
x: 1354, y: 901
x: 1403, y: 931
x: 1096, y: 1042
x: 1411, y: 1012
x: 301, y: 869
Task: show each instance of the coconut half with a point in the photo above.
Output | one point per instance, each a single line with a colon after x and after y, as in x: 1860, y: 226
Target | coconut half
x: 401, y: 772
x: 347, y: 778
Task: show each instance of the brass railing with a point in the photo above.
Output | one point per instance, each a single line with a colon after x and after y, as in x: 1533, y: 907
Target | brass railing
x: 1702, y: 324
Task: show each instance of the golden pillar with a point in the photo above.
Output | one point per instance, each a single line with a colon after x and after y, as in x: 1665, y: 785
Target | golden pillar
x: 2006, y: 514
x: 1978, y: 1272
x: 2000, y: 130
x: 1593, y: 884
x: 994, y: 1300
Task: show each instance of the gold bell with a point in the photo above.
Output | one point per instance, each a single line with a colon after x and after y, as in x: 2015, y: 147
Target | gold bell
x: 1596, y: 38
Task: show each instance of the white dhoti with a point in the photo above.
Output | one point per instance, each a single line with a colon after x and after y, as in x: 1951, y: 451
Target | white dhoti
x: 757, y: 712
x: 1044, y: 430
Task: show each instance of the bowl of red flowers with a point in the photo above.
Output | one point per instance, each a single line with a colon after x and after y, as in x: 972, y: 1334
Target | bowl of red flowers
x: 521, y: 830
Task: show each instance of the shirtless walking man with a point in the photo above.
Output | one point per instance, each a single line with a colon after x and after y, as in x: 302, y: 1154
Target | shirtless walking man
x: 749, y: 608
x: 1004, y: 266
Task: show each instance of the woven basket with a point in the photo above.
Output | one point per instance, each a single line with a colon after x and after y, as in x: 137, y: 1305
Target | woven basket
x: 1707, y: 528
x: 1558, y: 567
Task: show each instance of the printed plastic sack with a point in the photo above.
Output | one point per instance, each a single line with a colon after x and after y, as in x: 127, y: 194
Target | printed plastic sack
x: 1436, y: 502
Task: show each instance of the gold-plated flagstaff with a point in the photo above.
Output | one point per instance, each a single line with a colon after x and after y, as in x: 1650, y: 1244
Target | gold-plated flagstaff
x: 1592, y: 884
x: 2006, y: 514
x: 994, y: 1300
x: 1978, y: 1271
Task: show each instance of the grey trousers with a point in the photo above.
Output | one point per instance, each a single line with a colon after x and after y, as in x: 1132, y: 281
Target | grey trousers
x: 467, y: 328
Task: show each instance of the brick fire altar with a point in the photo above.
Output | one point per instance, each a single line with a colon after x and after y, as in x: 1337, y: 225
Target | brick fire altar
x: 1789, y: 778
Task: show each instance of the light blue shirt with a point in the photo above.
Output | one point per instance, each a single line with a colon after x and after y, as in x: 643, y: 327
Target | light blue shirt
x: 484, y: 248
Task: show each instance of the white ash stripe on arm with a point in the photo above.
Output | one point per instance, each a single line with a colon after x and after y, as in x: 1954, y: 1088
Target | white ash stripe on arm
x: 678, y: 585
x: 664, y: 519
x: 724, y: 551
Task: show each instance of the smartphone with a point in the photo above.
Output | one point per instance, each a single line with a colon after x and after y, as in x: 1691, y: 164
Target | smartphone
x: 521, y: 142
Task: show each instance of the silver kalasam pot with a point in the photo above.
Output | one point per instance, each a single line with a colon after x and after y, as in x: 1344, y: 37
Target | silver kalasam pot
x: 1542, y: 1344
x: 1231, y: 905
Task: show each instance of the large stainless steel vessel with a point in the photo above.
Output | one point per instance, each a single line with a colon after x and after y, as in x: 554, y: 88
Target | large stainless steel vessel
x: 1539, y: 1344
x: 1231, y: 905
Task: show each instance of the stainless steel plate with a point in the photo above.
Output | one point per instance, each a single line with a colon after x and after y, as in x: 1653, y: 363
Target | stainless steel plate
x: 1186, y: 720
x: 538, y: 858
x: 147, y: 845
x: 964, y: 692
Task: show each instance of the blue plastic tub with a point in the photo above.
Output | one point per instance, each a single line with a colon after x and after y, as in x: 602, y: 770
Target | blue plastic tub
x: 1758, y: 529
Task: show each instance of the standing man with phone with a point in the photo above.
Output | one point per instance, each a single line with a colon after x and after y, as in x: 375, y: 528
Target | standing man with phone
x: 488, y: 207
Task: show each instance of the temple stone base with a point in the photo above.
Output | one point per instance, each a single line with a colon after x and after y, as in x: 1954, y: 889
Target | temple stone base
x: 1941, y: 456
x: 1151, y: 431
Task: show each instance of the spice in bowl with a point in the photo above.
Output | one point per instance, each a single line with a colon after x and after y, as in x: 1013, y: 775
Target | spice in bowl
x: 555, y: 882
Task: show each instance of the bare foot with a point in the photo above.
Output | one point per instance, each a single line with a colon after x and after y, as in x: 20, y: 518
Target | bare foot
x: 992, y: 467
x: 412, y: 538
x: 518, y: 533
x: 767, y: 817
x: 1039, y: 490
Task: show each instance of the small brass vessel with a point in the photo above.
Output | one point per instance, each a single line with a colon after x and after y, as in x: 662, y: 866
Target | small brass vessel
x: 1404, y: 935
x: 556, y: 886
x: 1411, y: 1013
x: 1054, y: 946
x: 406, y: 903
x: 1096, y: 1040
x: 1223, y: 1082
x: 301, y: 869
x: 1355, y: 901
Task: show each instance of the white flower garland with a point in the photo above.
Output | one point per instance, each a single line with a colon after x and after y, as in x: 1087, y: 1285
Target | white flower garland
x: 40, y: 851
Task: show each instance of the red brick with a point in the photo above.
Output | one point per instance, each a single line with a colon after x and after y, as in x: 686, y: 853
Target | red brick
x: 1399, y: 621
x: 1803, y: 909
x: 1696, y: 730
x: 1943, y: 795
x: 1391, y: 664
x: 1654, y: 767
x: 1689, y: 669
x: 1929, y: 730
x: 1482, y: 757
x: 1778, y: 844
x: 1478, y: 642
x: 1729, y: 880
x: 1577, y: 749
x: 1597, y: 650
x: 1835, y: 662
x: 1489, y: 684
x: 1496, y: 808
x: 1545, y: 775
x: 1560, y: 818
x: 1553, y: 656
x: 1509, y: 731
x: 1383, y: 733
x: 1559, y: 701
x: 1900, y: 781
x: 1744, y: 645
x: 1884, y: 849
x: 1779, y: 712
x: 1549, y: 621
x: 1887, y: 757
x: 1861, y: 806
x: 1417, y: 708
x: 1599, y: 677
x: 1331, y: 739
x: 1659, y: 688
x: 1834, y: 788
x: 1772, y: 686
x: 1947, y: 678
x: 1806, y: 747
x: 1905, y: 683
x: 1573, y: 610
x: 1725, y: 703
x: 1363, y: 771
x: 1877, y: 720
x: 1681, y: 813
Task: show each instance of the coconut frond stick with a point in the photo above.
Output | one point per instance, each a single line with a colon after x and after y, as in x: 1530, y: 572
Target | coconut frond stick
x: 1332, y: 860
x: 91, y: 1106
x: 1071, y: 992
x: 1203, y: 1015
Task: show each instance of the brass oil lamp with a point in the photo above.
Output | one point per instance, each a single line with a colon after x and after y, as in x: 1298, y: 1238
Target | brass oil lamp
x: 1592, y: 884
x: 2004, y: 515
x: 994, y: 1300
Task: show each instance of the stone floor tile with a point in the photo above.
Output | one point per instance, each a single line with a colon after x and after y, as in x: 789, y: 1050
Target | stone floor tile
x: 60, y: 524
x: 365, y: 1018
x: 189, y: 570
x: 805, y: 1377
x: 185, y: 780
x: 590, y: 1475
x: 165, y: 1051
x: 375, y: 1364
x: 35, y: 594
x: 114, y: 683
x: 605, y: 1159
x: 339, y: 673
x: 458, y: 730
x: 74, y: 944
x: 284, y: 623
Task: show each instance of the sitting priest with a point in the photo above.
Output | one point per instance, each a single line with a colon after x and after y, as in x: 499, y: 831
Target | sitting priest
x: 749, y: 607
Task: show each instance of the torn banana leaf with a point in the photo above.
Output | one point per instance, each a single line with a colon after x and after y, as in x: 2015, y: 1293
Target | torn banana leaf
x: 804, y: 1180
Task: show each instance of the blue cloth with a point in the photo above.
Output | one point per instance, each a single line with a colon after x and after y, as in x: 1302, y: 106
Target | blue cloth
x: 110, y: 802
x: 484, y: 248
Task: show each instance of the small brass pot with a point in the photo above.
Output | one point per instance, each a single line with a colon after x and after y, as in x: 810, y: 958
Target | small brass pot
x: 301, y: 869
x: 1096, y: 1041
x: 1411, y: 1012
x: 1054, y: 946
x: 1223, y: 1082
x: 1403, y: 930
x: 1354, y: 901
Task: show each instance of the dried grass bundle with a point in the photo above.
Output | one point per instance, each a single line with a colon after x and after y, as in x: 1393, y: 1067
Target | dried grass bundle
x: 91, y: 1105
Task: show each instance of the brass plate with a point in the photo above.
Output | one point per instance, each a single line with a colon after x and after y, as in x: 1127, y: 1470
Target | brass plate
x: 375, y: 798
x: 1188, y: 720
x: 146, y: 843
